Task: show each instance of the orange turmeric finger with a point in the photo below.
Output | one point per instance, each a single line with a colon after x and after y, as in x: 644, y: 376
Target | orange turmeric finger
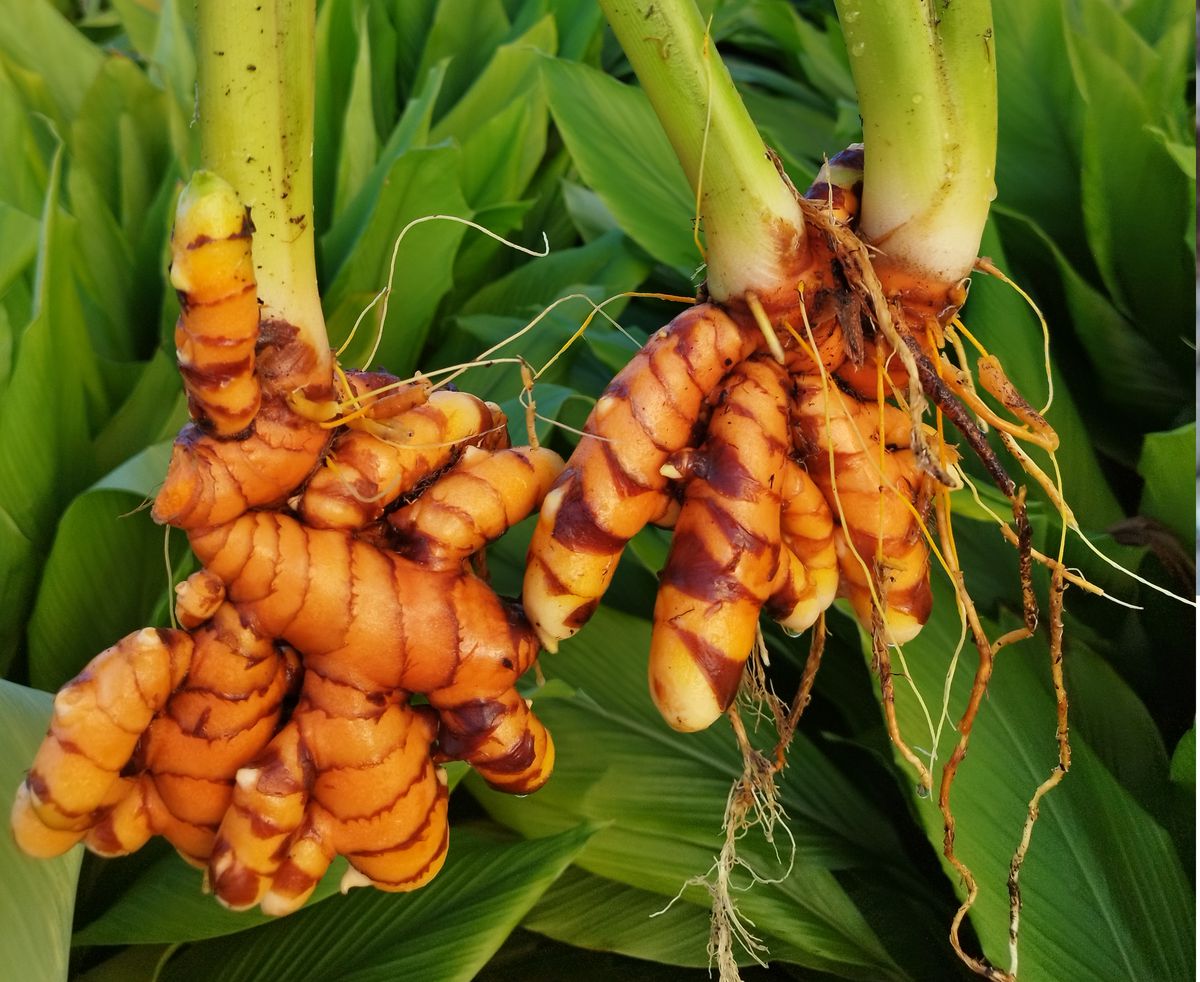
x: 269, y: 803
x: 876, y: 492
x: 369, y: 468
x: 98, y: 719
x: 613, y: 484
x: 724, y: 554
x: 213, y: 272
x: 351, y: 775
x: 379, y: 622
x: 474, y: 503
x: 211, y: 481
x: 807, y: 580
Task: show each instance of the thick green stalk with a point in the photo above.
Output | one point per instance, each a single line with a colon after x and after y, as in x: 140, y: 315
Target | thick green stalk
x: 256, y: 99
x: 751, y: 222
x: 925, y: 71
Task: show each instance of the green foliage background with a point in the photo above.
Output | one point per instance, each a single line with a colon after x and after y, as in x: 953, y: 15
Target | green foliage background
x: 520, y: 114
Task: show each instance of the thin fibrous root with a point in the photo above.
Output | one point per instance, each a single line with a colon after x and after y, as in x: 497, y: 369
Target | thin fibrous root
x: 752, y: 802
x: 787, y: 726
x: 1057, y: 587
x: 882, y: 663
x: 945, y: 400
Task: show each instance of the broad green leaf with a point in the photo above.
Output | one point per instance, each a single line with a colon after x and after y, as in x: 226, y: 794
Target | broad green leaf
x: 1183, y: 761
x: 445, y: 931
x: 119, y: 139
x: 817, y: 54
x: 608, y: 262
x: 411, y: 130
x: 22, y: 169
x: 1130, y: 369
x: 54, y: 377
x: 412, y: 19
x: 1103, y: 892
x: 1166, y: 467
x: 510, y: 75
x: 165, y: 904
x: 499, y: 158
x: 664, y: 794
x: 998, y: 316
x: 568, y: 912
x: 155, y: 409
x: 421, y: 183
x: 102, y: 539
x: 465, y: 32
x: 1117, y: 728
x: 19, y: 233
x: 36, y: 895
x: 359, y: 143
x: 140, y: 20
x: 1038, y: 155
x: 623, y: 154
x: 35, y: 38
x: 174, y: 59
x: 336, y: 46
x: 1131, y: 192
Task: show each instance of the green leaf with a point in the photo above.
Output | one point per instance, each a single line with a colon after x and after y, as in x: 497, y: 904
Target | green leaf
x: 1134, y: 199
x: 54, y: 376
x: 447, y: 930
x: 663, y: 795
x: 1183, y: 761
x: 36, y: 895
x: 359, y: 143
x: 998, y: 316
x: 165, y: 904
x: 103, y: 543
x: 635, y: 922
x: 465, y: 32
x: 420, y: 183
x: 1131, y: 371
x: 29, y: 32
x: 510, y: 75
x: 174, y: 60
x: 140, y: 21
x: 1168, y: 495
x: 1103, y: 892
x: 411, y: 130
x: 608, y: 262
x: 623, y: 154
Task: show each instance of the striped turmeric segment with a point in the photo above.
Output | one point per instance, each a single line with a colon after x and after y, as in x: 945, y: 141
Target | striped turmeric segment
x: 725, y: 551
x: 213, y: 272
x: 614, y: 484
x: 376, y: 461
x: 807, y: 580
x: 859, y: 456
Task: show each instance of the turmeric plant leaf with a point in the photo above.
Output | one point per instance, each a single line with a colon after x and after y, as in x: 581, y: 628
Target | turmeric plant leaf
x: 83, y: 607
x: 36, y: 895
x: 420, y: 183
x: 445, y: 931
x: 1166, y: 467
x: 675, y: 935
x: 623, y: 154
x: 1103, y: 892
x: 662, y: 795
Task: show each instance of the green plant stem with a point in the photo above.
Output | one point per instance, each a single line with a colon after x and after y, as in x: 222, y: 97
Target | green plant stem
x: 255, y: 74
x: 751, y: 221
x: 925, y: 71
